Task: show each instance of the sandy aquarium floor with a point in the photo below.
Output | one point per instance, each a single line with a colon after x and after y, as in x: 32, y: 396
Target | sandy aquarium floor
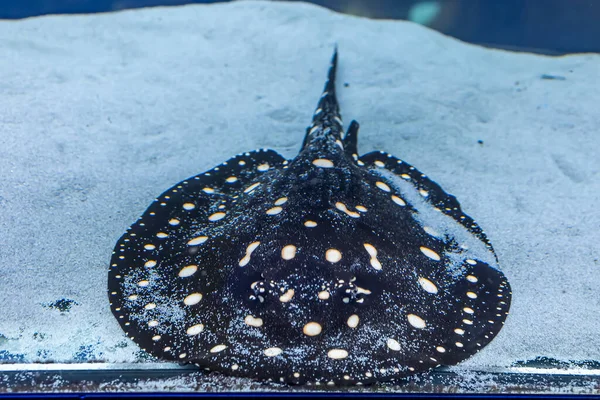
x: 101, y: 113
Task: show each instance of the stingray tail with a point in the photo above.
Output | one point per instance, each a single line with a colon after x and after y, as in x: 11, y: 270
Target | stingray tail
x: 327, y: 114
x: 328, y: 102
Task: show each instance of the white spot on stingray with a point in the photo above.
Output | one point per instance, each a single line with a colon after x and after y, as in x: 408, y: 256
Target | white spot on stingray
x: 342, y: 207
x: 192, y: 299
x: 472, y: 262
x: 363, y: 291
x: 218, y: 348
x: 382, y: 186
x: 373, y: 253
x: 216, y: 216
x: 242, y: 163
x: 189, y: 206
x: 281, y: 201
x: 423, y: 193
x: 468, y: 310
x: 361, y: 208
x: 428, y: 286
x: 143, y: 283
x: 188, y: 271
x: 150, y: 306
x: 337, y: 354
x: 430, y: 253
x: 459, y: 344
x: 231, y: 179
x: 333, y: 255
x: 252, y: 187
x: 323, y: 295
x: 273, y: 351
x: 379, y: 163
x: 156, y: 338
x: 440, y: 349
x: 149, y: 246
x: 471, y: 295
x: 323, y: 163
x: 197, y: 240
x: 235, y: 367
x: 340, y: 144
x: 133, y: 297
x: 153, y: 323
x: 183, y: 355
x: 310, y: 224
x: 416, y: 321
x: 353, y: 321
x: 393, y: 345
x: 467, y: 322
x: 195, y: 329
x: 288, y: 252
x: 263, y: 167
x: 162, y: 235
x: 251, y: 321
x: 150, y: 264
x: 405, y: 176
x: 274, y: 210
x: 312, y: 329
x: 472, y: 278
x: 459, y: 331
x: 246, y: 259
x: 287, y: 296
x: 208, y: 190
x: 431, y: 231
x: 173, y: 222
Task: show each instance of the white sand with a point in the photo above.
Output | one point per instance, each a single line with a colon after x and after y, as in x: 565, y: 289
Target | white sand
x: 101, y: 113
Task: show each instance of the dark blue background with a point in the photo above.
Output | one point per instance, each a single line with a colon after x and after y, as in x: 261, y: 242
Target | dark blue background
x: 544, y: 26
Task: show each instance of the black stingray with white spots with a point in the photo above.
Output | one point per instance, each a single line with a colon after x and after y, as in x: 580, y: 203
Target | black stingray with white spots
x: 326, y: 269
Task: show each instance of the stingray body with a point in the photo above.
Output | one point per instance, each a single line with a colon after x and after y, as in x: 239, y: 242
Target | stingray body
x: 326, y: 269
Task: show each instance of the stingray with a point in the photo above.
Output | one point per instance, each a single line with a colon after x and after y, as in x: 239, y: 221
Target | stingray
x: 329, y: 268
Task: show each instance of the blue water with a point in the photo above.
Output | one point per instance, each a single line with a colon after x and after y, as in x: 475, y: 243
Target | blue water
x: 540, y: 26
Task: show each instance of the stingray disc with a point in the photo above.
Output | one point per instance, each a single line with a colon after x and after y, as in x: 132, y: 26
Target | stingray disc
x: 326, y: 268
